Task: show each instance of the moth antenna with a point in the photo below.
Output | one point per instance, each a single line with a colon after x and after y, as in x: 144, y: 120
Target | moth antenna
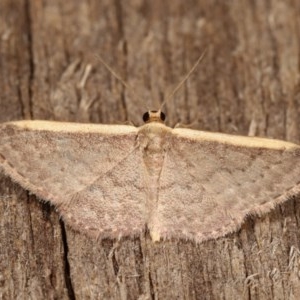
x: 129, y: 87
x: 170, y: 96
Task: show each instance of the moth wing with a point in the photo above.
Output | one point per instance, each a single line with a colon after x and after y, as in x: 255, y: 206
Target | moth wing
x: 85, y: 170
x: 210, y: 182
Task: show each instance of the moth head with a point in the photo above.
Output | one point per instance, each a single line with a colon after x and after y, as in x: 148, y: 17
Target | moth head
x: 154, y: 116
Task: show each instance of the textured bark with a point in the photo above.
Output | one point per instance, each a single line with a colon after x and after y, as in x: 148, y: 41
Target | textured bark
x: 250, y: 76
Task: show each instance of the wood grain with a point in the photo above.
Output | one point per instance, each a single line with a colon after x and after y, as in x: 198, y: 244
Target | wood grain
x: 250, y: 74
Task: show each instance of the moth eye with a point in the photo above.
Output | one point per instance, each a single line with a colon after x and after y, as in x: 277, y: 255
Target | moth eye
x: 146, y: 116
x: 162, y: 116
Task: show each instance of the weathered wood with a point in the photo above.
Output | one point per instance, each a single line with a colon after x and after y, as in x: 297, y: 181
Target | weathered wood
x: 250, y: 76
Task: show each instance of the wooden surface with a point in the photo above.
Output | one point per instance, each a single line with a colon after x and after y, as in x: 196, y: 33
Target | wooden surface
x: 248, y: 83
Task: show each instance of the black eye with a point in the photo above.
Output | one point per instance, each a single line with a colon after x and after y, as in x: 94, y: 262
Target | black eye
x: 162, y: 116
x: 146, y: 116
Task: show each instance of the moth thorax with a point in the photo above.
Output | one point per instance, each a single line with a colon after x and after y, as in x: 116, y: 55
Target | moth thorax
x: 153, y: 151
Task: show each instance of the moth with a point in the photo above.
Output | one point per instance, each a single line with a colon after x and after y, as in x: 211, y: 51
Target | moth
x: 112, y: 181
